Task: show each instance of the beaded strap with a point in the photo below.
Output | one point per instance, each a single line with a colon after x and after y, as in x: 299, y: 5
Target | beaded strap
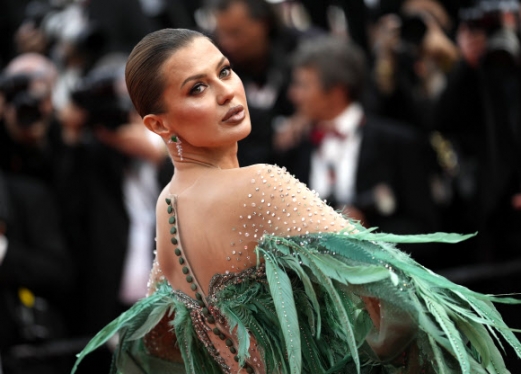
x: 175, y: 240
x: 207, y: 311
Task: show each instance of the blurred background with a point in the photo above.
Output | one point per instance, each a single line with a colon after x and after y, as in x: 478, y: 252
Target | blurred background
x: 434, y: 85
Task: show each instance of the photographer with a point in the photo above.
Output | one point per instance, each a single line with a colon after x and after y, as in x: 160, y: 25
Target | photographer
x: 480, y: 113
x: 29, y: 133
x: 412, y: 55
x: 109, y: 182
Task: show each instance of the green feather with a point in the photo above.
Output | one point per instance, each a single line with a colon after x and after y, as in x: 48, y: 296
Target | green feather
x: 476, y: 337
x: 293, y: 264
x: 349, y: 274
x: 235, y: 322
x: 345, y: 323
x: 477, y: 368
x: 151, y: 321
x: 280, y: 287
x: 312, y: 361
x: 484, y: 345
x: 488, y: 311
x: 123, y: 321
x: 438, y: 356
x: 438, y: 237
x: 458, y: 348
x: 185, y: 336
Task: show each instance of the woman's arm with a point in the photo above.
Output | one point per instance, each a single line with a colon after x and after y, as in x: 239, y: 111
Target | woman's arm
x: 393, y: 331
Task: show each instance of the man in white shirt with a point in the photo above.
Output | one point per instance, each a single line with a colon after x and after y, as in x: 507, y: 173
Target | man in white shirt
x: 373, y: 169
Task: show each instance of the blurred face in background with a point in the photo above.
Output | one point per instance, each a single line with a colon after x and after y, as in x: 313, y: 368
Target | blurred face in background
x: 309, y: 96
x: 242, y: 38
x: 42, y: 73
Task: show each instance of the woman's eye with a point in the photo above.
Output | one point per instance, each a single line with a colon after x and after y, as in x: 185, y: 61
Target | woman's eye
x: 197, y: 89
x: 225, y: 72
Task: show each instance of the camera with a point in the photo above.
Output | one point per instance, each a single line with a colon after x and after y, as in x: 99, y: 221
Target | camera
x: 413, y: 29
x: 97, y: 95
x: 16, y: 91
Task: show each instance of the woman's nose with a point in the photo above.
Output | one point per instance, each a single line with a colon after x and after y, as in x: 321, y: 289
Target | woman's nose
x: 225, y: 92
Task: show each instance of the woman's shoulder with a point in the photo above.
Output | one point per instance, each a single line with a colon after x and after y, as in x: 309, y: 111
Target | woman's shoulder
x: 243, y: 189
x: 263, y: 173
x: 261, y: 168
x: 255, y: 178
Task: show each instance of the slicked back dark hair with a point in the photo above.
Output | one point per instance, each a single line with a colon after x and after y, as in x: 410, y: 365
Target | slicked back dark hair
x: 143, y: 75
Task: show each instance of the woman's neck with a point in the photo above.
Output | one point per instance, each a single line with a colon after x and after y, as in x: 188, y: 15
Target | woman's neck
x: 189, y: 162
x: 212, y: 159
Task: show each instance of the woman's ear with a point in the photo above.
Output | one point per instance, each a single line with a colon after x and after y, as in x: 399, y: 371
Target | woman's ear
x: 155, y: 123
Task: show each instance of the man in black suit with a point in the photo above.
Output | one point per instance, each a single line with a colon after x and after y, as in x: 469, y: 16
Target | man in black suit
x: 373, y: 169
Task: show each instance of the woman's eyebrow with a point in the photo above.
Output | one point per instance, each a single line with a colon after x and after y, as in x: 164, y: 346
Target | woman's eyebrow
x: 199, y: 76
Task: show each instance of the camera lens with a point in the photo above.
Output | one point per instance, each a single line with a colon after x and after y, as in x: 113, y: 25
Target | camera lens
x: 27, y: 109
x: 413, y: 30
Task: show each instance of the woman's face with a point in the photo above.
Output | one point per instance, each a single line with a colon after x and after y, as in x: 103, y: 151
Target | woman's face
x: 204, y: 99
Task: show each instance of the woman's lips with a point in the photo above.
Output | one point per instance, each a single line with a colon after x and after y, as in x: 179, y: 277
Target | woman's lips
x: 235, y: 114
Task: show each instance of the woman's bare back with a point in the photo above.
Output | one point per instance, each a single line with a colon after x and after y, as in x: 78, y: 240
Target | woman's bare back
x: 218, y: 221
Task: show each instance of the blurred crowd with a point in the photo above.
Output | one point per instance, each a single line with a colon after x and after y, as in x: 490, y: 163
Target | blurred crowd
x: 404, y: 114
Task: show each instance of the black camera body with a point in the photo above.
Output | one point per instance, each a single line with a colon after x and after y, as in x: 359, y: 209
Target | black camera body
x: 413, y: 29
x: 97, y: 95
x: 16, y: 91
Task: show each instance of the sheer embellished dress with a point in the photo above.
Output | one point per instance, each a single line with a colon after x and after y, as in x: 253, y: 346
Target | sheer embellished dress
x: 256, y: 274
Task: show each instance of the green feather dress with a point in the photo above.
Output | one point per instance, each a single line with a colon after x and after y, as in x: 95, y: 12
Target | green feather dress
x: 305, y: 306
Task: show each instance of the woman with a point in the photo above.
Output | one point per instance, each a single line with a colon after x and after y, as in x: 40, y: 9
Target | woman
x: 255, y: 273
